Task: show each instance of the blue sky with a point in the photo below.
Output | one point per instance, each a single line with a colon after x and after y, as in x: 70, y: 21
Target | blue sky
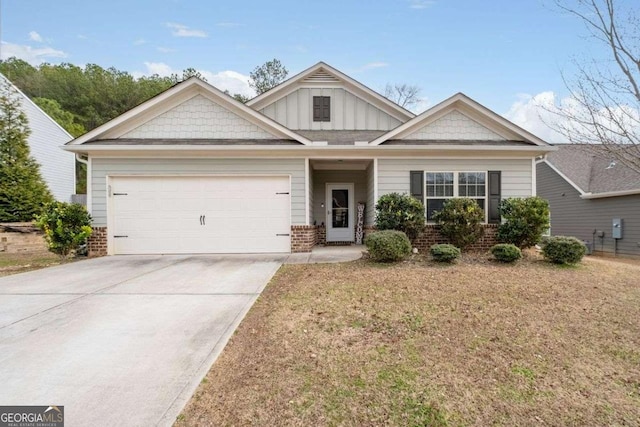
x: 501, y: 53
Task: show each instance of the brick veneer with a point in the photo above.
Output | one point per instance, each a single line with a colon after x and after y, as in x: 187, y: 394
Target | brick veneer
x: 97, y: 243
x: 303, y: 237
x: 431, y: 236
x: 321, y: 234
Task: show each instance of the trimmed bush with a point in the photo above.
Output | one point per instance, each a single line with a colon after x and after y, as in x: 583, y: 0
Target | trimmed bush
x: 388, y: 245
x: 525, y: 221
x: 506, y: 252
x: 400, y: 212
x: 444, y: 252
x: 66, y: 226
x: 460, y: 221
x: 564, y: 250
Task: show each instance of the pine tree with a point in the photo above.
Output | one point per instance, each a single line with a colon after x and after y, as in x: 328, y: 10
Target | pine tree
x: 23, y: 192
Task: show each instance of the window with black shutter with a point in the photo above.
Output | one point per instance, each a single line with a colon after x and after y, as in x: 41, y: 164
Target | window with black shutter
x: 321, y: 109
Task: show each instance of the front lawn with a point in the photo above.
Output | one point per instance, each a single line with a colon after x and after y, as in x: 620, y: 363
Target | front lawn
x: 418, y: 344
x: 13, y: 263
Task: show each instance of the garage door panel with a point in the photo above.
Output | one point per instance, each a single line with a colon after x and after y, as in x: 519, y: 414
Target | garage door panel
x: 162, y: 214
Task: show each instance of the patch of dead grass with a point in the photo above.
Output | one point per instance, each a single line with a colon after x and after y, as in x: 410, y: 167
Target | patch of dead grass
x: 475, y: 343
x: 13, y: 263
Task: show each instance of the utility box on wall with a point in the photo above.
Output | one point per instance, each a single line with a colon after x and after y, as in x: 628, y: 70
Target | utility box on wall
x: 616, y: 233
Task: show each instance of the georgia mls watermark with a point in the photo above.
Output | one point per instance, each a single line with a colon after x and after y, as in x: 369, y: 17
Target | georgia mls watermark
x: 32, y: 416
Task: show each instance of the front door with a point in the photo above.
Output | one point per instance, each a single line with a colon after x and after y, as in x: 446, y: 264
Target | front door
x: 340, y: 213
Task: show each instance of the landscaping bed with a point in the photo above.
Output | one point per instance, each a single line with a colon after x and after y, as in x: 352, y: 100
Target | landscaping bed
x: 420, y: 343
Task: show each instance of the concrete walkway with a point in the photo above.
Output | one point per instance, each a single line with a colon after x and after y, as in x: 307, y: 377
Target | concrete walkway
x: 327, y: 254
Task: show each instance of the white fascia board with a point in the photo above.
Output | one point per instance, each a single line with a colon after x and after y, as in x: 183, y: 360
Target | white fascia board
x: 212, y: 92
x: 610, y: 194
x: 563, y: 176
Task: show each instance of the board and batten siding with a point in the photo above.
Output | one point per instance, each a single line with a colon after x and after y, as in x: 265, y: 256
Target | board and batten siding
x: 573, y: 216
x: 320, y: 180
x: 102, y: 167
x: 348, y: 112
x: 393, y: 174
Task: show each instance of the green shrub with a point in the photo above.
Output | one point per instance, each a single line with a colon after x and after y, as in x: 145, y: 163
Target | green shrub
x: 66, y: 226
x: 400, y: 212
x: 460, y: 221
x: 388, y: 245
x: 564, y: 250
x: 506, y: 252
x: 444, y: 252
x: 525, y: 221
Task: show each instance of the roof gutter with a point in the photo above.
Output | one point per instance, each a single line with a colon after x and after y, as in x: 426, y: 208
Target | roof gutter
x: 610, y: 194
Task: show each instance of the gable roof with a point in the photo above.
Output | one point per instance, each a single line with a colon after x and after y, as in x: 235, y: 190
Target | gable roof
x: 322, y: 74
x: 592, y: 171
x: 175, y: 95
x: 470, y: 108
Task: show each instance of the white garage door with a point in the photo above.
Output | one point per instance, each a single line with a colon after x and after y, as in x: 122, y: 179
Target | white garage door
x: 170, y: 215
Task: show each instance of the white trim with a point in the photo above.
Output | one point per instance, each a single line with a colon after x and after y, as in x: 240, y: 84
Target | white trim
x: 204, y: 88
x: 456, y: 191
x: 460, y: 99
x: 534, y: 183
x: 306, y: 191
x: 375, y: 181
x: 361, y: 90
x: 610, y: 194
x: 89, y: 185
x: 563, y: 176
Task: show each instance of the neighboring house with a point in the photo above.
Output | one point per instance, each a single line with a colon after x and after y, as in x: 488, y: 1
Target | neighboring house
x: 193, y: 170
x: 57, y: 167
x: 587, y: 190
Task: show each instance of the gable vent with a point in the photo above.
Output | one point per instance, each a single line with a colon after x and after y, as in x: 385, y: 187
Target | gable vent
x: 321, y: 76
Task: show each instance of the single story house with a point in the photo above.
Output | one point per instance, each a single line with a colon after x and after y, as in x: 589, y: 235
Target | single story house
x: 192, y: 170
x: 57, y: 167
x: 592, y: 197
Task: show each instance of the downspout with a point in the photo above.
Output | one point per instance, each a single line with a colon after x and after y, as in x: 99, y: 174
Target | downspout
x: 81, y: 160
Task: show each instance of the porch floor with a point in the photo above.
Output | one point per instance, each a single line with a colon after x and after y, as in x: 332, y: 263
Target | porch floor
x: 327, y: 254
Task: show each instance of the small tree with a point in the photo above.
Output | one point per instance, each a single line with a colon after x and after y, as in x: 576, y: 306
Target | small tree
x: 525, y: 221
x: 66, y: 226
x: 23, y: 192
x: 460, y: 221
x: 267, y: 76
x: 400, y: 212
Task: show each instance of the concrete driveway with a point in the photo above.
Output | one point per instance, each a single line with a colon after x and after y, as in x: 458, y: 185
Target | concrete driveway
x: 122, y: 340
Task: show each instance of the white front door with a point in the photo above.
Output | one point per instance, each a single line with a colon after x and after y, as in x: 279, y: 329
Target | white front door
x: 340, y: 215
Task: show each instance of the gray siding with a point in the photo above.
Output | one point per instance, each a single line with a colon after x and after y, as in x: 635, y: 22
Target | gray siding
x: 101, y: 167
x: 322, y: 177
x: 393, y: 174
x: 348, y: 112
x: 573, y: 216
x: 371, y: 201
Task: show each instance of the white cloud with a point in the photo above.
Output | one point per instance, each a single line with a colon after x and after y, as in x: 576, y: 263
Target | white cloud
x: 373, y: 65
x: 165, y: 49
x: 32, y: 55
x: 179, y: 30
x: 139, y: 42
x: 34, y: 36
x: 535, y: 113
x: 421, y: 4
x: 232, y: 81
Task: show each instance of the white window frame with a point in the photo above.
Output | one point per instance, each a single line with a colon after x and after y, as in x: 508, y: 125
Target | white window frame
x: 456, y: 191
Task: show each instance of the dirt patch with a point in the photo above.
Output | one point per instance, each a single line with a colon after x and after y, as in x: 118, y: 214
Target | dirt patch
x: 476, y: 343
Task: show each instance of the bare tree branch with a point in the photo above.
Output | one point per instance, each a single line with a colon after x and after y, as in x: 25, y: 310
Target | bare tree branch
x: 403, y: 94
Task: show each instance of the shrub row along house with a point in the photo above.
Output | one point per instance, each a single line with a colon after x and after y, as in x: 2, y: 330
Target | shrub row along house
x: 193, y: 170
x: 592, y: 197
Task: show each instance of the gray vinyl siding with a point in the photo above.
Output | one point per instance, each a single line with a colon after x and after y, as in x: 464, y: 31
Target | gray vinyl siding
x: 393, y: 174
x: 322, y: 177
x: 101, y: 167
x: 573, y: 216
x: 348, y: 112
x: 370, y: 212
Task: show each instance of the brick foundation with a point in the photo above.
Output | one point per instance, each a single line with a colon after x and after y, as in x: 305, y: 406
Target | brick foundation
x: 321, y: 234
x: 431, y: 236
x: 97, y: 243
x: 303, y: 237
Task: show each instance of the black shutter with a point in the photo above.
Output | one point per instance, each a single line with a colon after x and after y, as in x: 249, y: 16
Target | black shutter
x: 495, y: 189
x: 417, y: 184
x: 317, y: 108
x: 326, y: 109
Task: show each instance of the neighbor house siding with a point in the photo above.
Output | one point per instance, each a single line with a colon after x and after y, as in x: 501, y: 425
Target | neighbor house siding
x: 573, y: 216
x: 371, y: 198
x: 57, y: 166
x: 101, y: 167
x: 393, y: 174
x: 320, y: 180
x: 348, y: 112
